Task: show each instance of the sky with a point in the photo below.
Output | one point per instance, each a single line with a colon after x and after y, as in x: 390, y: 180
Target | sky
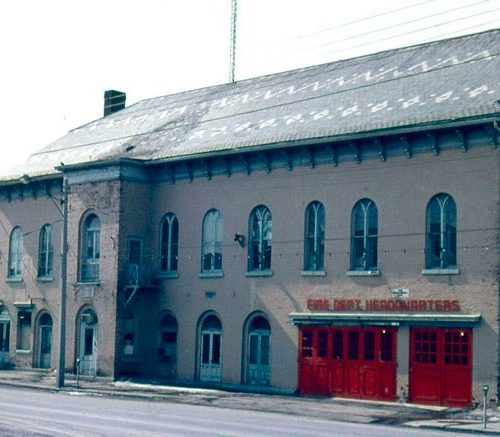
x: 59, y: 56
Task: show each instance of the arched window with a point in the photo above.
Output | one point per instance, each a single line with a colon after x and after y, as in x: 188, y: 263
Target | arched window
x: 441, y: 233
x: 16, y: 253
x: 169, y: 243
x: 259, y: 239
x: 91, y: 251
x: 364, y: 235
x: 212, y: 242
x: 45, y: 252
x: 314, y: 237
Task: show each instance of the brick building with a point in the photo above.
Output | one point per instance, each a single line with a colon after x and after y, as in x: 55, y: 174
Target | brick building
x: 331, y: 230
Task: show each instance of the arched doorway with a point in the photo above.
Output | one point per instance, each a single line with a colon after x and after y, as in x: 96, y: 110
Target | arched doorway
x: 167, y: 350
x: 258, y: 336
x: 44, y: 341
x: 4, y: 336
x: 210, y: 349
x: 88, y: 344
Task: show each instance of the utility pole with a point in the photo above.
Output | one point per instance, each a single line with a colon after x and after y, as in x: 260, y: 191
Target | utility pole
x: 232, y: 58
x: 62, y: 308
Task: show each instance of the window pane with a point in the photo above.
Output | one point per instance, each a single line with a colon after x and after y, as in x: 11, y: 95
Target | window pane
x: 264, y: 351
x: 307, y: 343
x: 369, y: 346
x: 353, y: 340
x: 386, y: 345
x: 89, y: 339
x: 322, y: 343
x: 259, y: 248
x: 338, y: 344
x: 205, y: 348
x: 134, y: 251
x: 254, y: 348
x: 216, y: 349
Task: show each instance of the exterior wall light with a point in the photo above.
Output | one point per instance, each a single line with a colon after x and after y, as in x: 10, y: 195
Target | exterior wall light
x: 240, y: 239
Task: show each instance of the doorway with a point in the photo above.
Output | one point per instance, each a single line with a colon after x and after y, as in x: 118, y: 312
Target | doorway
x: 441, y: 366
x: 210, y: 349
x: 258, y: 346
x: 88, y: 343
x: 354, y: 361
x: 4, y: 337
x: 44, y: 341
x: 167, y: 350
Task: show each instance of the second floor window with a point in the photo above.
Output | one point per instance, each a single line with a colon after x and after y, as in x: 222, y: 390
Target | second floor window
x: 16, y: 253
x: 441, y: 233
x: 169, y: 243
x: 314, y: 237
x: 91, y: 249
x: 45, y: 252
x: 212, y: 241
x: 364, y: 235
x: 259, y: 239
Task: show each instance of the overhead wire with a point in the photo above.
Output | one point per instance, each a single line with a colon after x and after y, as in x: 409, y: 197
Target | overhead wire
x: 385, y: 28
x: 349, y: 23
x: 398, y: 35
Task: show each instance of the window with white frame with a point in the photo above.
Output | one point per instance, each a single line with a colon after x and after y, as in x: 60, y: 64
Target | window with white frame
x: 212, y: 242
x: 260, y: 239
x: 16, y: 253
x: 364, y: 235
x: 45, y: 252
x: 91, y: 249
x: 441, y: 233
x: 314, y: 238
x: 169, y: 243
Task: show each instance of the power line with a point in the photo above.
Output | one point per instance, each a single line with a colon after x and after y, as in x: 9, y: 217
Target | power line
x: 377, y: 30
x: 372, y: 42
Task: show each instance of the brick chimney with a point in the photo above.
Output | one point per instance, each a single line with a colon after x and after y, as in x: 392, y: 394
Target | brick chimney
x: 113, y: 101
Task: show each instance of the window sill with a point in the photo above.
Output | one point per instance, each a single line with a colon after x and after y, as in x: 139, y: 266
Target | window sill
x: 23, y: 351
x: 431, y: 272
x: 45, y: 279
x: 83, y: 283
x: 215, y: 274
x: 313, y: 273
x: 372, y: 272
x: 168, y: 275
x: 15, y: 279
x: 257, y: 273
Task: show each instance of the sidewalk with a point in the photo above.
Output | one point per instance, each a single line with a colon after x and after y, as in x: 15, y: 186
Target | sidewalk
x: 346, y: 410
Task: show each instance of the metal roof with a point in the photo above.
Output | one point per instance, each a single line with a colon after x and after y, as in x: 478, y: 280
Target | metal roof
x: 438, y: 82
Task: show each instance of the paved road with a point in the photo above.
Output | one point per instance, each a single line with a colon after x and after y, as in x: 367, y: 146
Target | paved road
x: 37, y: 413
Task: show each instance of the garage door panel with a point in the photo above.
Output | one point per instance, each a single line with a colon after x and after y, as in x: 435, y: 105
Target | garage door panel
x: 441, y: 366
x: 369, y: 378
x: 337, y: 378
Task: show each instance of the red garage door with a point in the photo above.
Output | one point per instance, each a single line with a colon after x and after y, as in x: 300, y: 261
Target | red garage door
x: 441, y: 366
x: 358, y: 362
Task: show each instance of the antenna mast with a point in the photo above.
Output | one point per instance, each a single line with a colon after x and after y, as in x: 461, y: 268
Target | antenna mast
x: 232, y: 58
